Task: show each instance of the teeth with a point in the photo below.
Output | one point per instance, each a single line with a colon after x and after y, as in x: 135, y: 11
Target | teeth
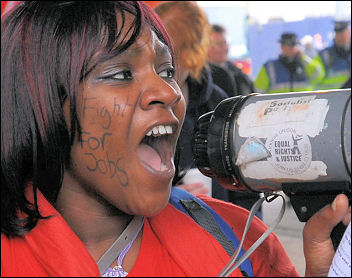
x: 155, y: 131
x: 168, y: 129
x: 160, y: 130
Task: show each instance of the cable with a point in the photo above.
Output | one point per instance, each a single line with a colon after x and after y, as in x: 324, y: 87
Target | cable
x: 229, y: 268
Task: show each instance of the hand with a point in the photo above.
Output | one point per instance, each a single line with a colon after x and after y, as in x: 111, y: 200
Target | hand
x: 194, y: 188
x: 317, y: 245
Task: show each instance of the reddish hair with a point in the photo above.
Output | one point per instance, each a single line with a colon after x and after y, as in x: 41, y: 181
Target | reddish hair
x: 188, y: 26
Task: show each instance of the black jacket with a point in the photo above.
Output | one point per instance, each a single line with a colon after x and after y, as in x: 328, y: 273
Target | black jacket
x: 244, y: 85
x: 224, y: 79
x: 204, y: 96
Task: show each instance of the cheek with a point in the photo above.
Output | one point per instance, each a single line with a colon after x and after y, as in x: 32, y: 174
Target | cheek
x: 181, y: 109
x: 100, y: 153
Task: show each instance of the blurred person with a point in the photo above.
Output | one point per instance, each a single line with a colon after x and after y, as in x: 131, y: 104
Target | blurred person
x: 222, y: 78
x: 335, y: 60
x: 218, y: 55
x: 308, y: 46
x: 188, y: 27
x: 347, y: 84
x: 318, y: 41
x: 293, y: 71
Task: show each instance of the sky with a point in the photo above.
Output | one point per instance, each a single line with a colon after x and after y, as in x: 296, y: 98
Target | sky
x: 261, y: 11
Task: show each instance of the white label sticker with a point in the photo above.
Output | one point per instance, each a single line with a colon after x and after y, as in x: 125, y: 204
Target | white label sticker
x: 260, y: 170
x: 261, y: 118
x: 273, y: 111
x: 291, y: 151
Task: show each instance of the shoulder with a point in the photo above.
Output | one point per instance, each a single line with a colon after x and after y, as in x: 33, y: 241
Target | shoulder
x: 232, y: 67
x: 272, y: 61
x: 219, y: 84
x: 234, y: 215
x: 276, y: 262
x: 18, y: 259
x: 326, y: 50
x: 223, y: 78
x: 270, y: 65
x: 218, y: 71
x: 215, y: 68
x: 220, y: 74
x: 52, y: 242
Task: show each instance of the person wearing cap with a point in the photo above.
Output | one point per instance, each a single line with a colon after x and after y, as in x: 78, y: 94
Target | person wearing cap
x: 335, y: 60
x: 293, y: 71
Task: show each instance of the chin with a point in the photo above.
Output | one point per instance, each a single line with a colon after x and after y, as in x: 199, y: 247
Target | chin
x: 152, y: 206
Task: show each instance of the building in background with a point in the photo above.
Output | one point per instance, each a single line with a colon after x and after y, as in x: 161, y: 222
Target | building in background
x: 254, y: 26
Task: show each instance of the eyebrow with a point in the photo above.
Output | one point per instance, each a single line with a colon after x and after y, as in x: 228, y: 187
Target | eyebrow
x: 160, y: 49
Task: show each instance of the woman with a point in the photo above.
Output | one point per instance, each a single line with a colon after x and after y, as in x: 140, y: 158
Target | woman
x: 90, y: 114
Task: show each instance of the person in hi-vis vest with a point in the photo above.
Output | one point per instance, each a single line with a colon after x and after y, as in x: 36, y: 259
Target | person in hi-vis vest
x: 335, y: 60
x: 293, y: 71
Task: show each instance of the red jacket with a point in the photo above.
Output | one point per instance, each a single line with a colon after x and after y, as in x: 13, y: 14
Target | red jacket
x: 172, y: 245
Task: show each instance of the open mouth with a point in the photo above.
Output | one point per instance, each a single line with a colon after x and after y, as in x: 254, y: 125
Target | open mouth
x: 155, y: 149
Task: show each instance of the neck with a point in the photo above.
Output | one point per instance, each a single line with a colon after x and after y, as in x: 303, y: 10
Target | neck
x: 343, y: 45
x: 94, y: 221
x: 220, y: 64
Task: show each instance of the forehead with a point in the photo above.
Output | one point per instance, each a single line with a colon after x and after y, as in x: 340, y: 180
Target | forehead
x: 218, y: 36
x: 288, y: 46
x: 148, y: 39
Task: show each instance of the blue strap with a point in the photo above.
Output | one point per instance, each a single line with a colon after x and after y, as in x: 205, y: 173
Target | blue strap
x: 178, y: 194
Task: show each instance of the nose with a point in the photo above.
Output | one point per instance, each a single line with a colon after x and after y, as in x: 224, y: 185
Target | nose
x: 160, y: 93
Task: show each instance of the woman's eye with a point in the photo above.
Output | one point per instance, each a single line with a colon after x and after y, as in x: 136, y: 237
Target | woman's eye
x: 167, y: 73
x: 122, y: 75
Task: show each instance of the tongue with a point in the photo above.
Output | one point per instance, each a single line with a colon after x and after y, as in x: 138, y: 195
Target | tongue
x: 149, y: 156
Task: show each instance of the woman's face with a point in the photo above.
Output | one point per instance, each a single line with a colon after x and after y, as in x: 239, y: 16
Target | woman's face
x: 131, y: 111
